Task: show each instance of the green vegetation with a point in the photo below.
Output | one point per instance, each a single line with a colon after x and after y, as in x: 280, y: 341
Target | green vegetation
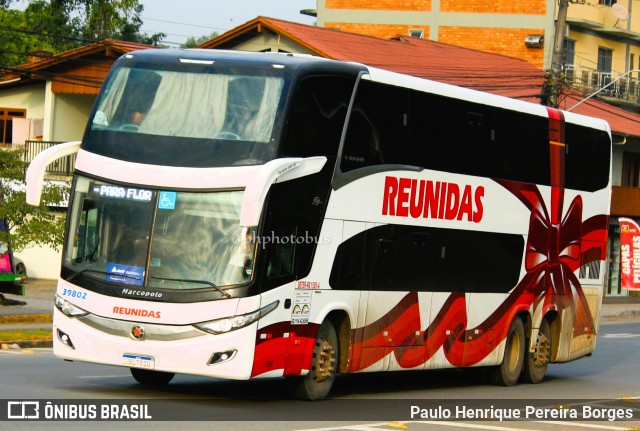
x: 27, y: 225
x: 61, y: 25
x: 25, y: 335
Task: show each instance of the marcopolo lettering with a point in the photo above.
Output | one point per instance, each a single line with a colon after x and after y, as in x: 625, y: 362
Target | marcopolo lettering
x: 142, y: 293
x: 405, y: 197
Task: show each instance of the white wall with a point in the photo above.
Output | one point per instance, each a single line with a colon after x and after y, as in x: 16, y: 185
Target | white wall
x: 30, y: 98
x: 71, y: 116
x: 42, y: 262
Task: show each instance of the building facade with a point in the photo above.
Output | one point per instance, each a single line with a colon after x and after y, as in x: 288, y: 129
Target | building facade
x: 499, y: 26
x: 602, y: 36
x: 48, y: 101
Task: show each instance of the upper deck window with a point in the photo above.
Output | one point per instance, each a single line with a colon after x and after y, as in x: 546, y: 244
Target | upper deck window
x: 188, y: 115
x: 190, y: 105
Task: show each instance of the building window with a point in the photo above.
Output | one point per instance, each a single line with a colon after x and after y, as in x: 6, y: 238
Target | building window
x: 605, y: 59
x: 6, y: 123
x: 607, y: 2
x: 605, y: 64
x: 630, y: 169
x: 419, y: 33
x: 569, y: 57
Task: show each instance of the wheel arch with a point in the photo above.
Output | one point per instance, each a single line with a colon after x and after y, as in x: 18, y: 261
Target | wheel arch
x: 555, y: 325
x: 341, y: 321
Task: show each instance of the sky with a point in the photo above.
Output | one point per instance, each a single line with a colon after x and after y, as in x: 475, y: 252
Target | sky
x: 182, y: 19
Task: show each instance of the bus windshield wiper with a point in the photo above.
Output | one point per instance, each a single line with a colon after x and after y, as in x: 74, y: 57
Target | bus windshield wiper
x: 82, y: 271
x: 182, y: 280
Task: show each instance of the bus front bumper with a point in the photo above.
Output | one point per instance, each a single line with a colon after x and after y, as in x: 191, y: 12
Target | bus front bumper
x: 169, y: 348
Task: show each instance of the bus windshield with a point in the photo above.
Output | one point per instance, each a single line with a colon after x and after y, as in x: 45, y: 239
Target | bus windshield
x: 159, y: 239
x: 218, y: 116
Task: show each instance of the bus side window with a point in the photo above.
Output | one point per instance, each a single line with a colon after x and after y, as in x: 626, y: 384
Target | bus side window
x: 316, y: 116
x: 377, y: 132
x: 280, y: 251
x: 474, y: 135
x: 348, y: 269
x: 430, y: 128
x: 362, y: 144
x: 586, y: 151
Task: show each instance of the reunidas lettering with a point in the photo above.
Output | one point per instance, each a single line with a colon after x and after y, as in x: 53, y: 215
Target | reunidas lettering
x: 136, y: 312
x: 404, y: 197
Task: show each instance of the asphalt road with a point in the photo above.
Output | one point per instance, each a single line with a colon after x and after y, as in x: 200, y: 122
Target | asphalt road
x: 364, y: 402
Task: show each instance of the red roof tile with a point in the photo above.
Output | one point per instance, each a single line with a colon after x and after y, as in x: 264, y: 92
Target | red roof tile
x: 437, y: 61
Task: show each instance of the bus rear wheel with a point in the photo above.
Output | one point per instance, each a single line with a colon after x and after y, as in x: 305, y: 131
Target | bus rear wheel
x: 537, y: 362
x: 508, y: 372
x: 151, y: 377
x: 317, y: 383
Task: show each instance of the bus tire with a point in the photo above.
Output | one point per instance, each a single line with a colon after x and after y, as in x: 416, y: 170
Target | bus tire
x: 151, y: 377
x: 537, y: 362
x: 317, y: 383
x: 508, y: 372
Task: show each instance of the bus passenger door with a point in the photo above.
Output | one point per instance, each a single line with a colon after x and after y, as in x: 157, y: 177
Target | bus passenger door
x: 348, y: 274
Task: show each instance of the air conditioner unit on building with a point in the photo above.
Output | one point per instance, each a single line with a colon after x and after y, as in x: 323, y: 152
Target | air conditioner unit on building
x: 534, y: 41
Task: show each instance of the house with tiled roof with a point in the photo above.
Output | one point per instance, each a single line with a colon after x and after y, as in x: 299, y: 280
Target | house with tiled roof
x: 47, y: 101
x: 50, y: 97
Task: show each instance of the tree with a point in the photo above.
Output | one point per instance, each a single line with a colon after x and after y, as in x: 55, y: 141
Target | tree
x: 16, y: 39
x: 61, y: 25
x: 115, y: 19
x: 27, y: 225
x: 192, y: 42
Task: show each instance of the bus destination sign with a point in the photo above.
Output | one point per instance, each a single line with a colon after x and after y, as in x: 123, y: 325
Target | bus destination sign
x: 119, y: 192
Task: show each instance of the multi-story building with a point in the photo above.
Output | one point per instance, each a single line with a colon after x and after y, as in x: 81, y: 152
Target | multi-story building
x: 602, y: 47
x: 602, y: 40
x: 498, y: 26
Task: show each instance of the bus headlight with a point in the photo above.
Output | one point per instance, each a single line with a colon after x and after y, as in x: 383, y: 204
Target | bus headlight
x: 68, y: 309
x: 220, y: 326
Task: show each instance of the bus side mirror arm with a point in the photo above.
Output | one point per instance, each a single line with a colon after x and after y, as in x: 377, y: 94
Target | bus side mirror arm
x: 37, y: 167
x: 275, y: 171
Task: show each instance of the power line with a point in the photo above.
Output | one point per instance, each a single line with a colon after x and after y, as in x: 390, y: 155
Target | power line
x: 53, y: 36
x: 184, y: 23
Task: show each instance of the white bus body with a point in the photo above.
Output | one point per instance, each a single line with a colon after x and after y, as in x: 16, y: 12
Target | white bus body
x: 299, y: 217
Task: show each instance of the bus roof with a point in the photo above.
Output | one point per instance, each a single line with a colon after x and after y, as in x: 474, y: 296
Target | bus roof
x: 305, y: 64
x: 292, y: 61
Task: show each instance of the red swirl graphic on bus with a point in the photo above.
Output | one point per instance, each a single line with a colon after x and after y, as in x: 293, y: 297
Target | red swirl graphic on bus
x: 554, y: 251
x: 556, y: 247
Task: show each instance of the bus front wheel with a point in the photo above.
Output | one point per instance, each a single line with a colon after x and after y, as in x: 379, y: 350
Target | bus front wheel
x: 317, y: 383
x: 151, y: 377
x: 508, y: 372
x: 537, y: 362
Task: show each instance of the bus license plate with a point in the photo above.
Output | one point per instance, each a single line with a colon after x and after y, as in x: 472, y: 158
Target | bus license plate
x: 138, y: 361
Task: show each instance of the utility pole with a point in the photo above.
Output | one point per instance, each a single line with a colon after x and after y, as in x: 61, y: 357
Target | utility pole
x: 554, y: 79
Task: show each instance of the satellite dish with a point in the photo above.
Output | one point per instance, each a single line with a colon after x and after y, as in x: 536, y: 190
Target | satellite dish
x: 620, y: 11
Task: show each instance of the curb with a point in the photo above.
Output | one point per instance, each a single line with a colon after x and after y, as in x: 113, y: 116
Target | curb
x: 27, y: 344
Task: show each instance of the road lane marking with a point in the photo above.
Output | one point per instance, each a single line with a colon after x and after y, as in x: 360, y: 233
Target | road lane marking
x: 472, y: 425
x: 583, y: 425
x: 349, y: 427
x: 112, y: 376
x: 622, y: 335
x: 375, y: 427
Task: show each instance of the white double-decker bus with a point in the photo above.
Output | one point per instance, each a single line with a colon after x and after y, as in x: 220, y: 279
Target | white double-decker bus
x: 241, y: 216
